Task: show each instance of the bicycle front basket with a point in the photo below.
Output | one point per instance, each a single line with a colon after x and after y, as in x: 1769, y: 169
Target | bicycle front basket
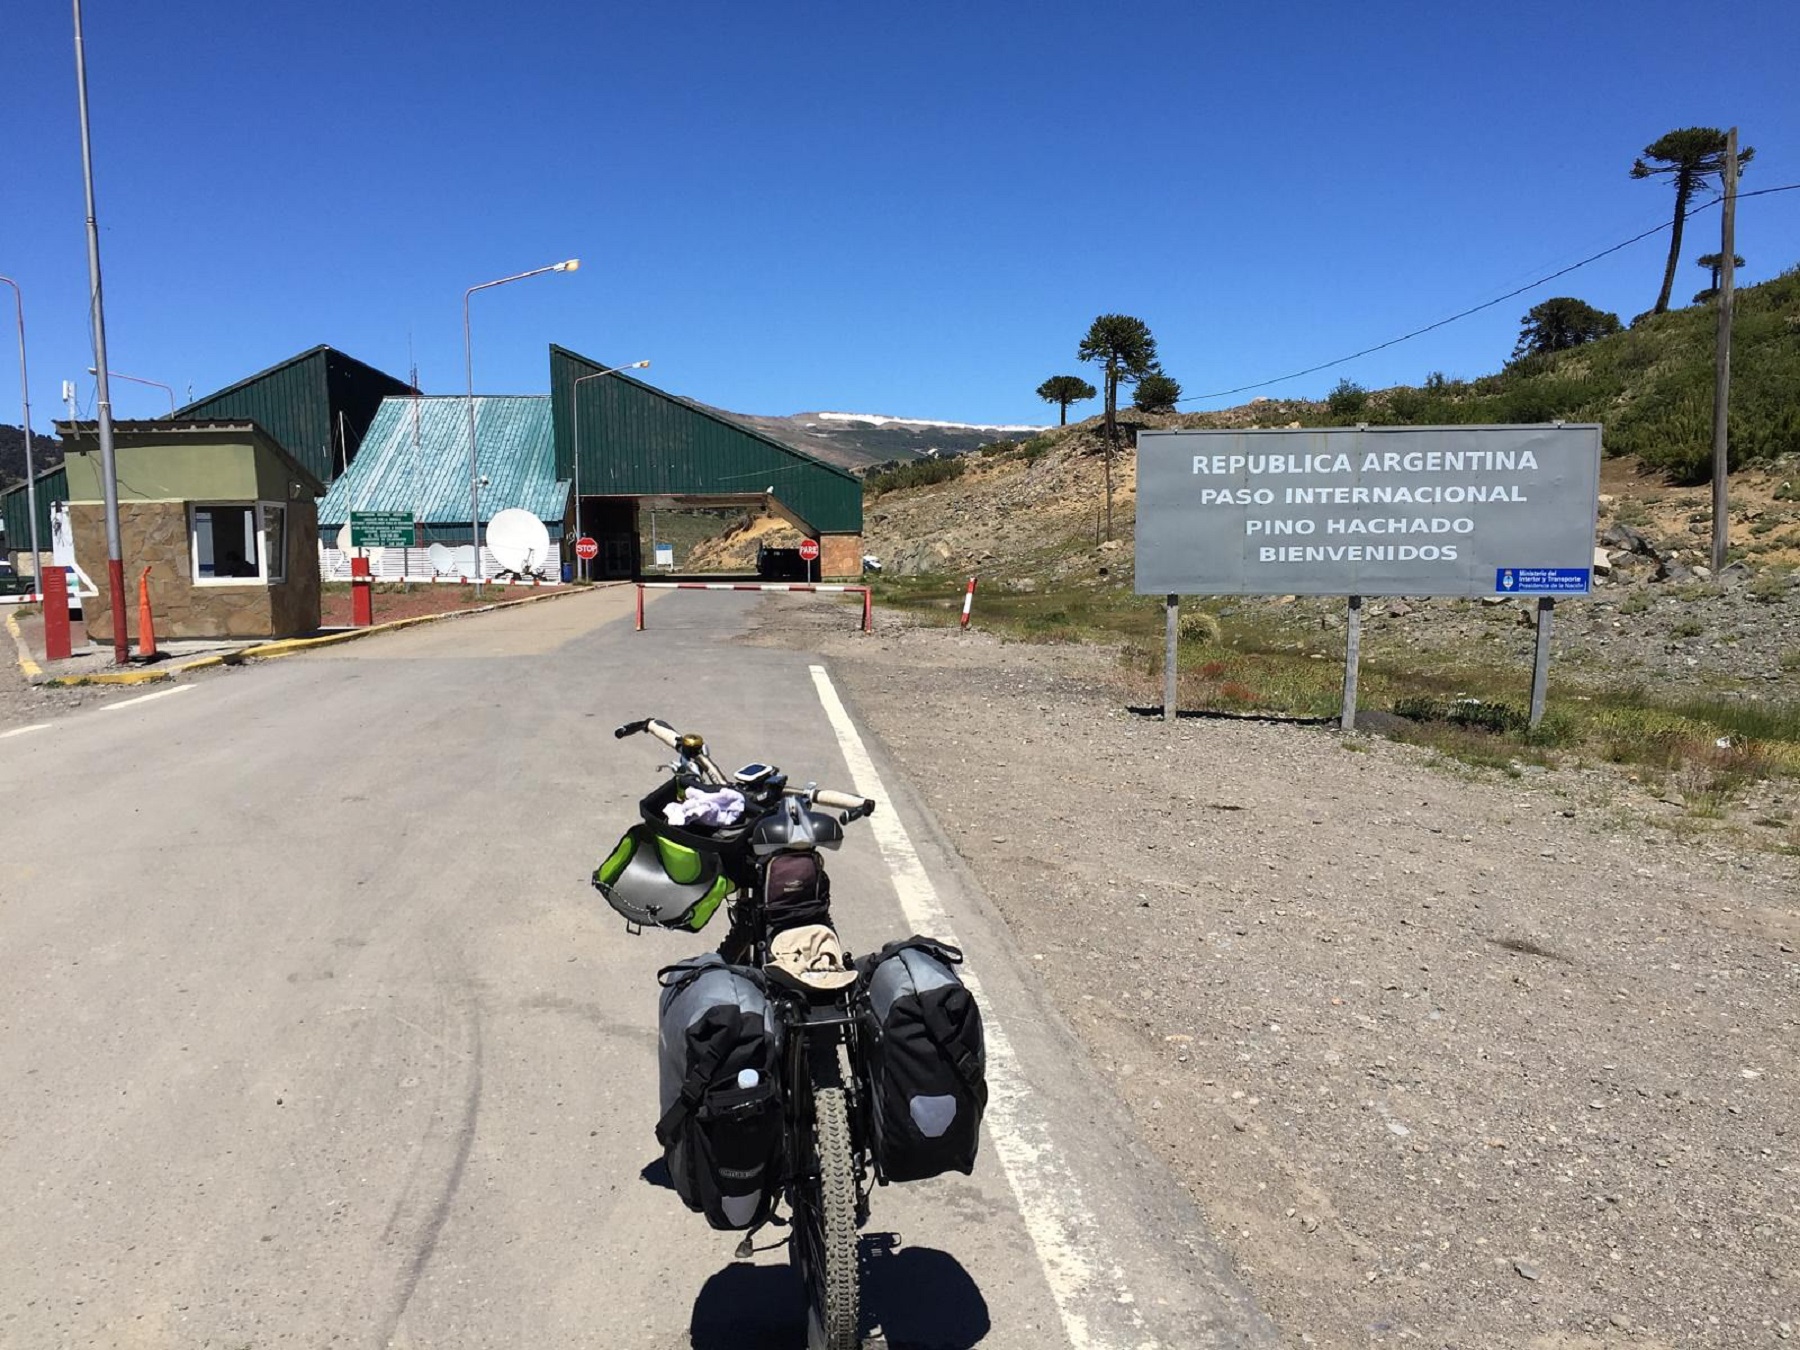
x: 655, y: 881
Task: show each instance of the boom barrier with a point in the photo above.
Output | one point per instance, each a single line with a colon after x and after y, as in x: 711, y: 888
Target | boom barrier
x: 868, y: 614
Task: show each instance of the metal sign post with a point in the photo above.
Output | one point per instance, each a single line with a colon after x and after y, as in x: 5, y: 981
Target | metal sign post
x: 1171, y: 648
x: 1540, y: 667
x: 1352, y: 662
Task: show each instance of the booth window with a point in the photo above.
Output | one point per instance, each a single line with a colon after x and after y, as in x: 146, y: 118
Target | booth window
x: 239, y: 543
x: 274, y: 533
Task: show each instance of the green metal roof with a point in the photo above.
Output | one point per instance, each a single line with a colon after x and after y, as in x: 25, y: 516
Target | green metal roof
x: 52, y: 486
x: 427, y: 471
x: 637, y: 441
x: 317, y: 405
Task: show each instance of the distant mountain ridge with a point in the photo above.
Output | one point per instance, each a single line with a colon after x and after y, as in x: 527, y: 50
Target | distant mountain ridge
x: 854, y: 441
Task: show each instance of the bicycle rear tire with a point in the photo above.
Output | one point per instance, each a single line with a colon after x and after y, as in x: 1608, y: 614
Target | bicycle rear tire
x: 833, y: 1277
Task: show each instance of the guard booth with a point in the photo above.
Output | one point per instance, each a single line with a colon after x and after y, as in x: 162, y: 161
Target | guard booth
x: 225, y: 519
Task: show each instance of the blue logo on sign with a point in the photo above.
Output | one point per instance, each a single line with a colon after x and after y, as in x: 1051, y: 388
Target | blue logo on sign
x: 1543, y: 580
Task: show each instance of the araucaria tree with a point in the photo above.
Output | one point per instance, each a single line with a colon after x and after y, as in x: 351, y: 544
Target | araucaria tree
x: 1714, y: 265
x: 1560, y: 323
x: 1688, y: 157
x: 1156, y: 392
x: 1062, y: 390
x: 1125, y: 352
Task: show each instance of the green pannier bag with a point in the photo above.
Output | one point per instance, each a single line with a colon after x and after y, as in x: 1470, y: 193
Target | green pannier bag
x: 654, y: 881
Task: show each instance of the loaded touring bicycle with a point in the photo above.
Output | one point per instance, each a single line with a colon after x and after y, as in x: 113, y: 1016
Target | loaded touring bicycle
x: 793, y: 1079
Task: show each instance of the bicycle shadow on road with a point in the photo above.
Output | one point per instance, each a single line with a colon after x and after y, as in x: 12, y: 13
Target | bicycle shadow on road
x: 920, y: 1298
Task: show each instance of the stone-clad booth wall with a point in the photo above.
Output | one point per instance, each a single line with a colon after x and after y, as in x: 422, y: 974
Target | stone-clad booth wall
x: 156, y: 533
x: 840, y: 555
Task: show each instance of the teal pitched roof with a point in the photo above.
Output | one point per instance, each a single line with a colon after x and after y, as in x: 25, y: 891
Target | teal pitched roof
x: 415, y: 457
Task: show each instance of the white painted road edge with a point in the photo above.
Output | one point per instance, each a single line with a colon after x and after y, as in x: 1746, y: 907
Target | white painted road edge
x: 1064, y: 1232
x: 103, y: 708
x: 144, y: 698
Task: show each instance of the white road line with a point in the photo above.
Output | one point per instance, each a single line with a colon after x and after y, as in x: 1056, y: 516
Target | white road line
x: 20, y: 731
x: 144, y: 698
x: 1063, y: 1230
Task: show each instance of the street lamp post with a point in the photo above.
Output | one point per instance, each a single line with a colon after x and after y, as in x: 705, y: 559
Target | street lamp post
x: 469, y: 372
x: 37, y: 559
x: 109, y: 464
x: 575, y: 398
x: 138, y: 379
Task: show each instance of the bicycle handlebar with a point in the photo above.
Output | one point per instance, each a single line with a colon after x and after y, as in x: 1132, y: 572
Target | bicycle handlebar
x: 853, y: 806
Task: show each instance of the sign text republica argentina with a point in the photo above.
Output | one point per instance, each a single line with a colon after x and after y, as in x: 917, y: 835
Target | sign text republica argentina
x: 1369, y: 511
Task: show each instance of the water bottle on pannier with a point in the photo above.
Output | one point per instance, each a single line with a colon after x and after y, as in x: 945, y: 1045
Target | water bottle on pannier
x: 927, y: 1061
x: 720, y: 1051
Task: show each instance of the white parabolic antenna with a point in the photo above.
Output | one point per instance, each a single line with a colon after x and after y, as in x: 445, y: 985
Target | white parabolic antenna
x: 348, y: 549
x: 519, y: 541
x: 443, y: 559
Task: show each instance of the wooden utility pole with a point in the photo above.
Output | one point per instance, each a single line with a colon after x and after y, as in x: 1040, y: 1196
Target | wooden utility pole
x: 1722, y: 371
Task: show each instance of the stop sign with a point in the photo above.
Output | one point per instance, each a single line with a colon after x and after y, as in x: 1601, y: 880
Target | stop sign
x: 586, y: 548
x: 809, y: 550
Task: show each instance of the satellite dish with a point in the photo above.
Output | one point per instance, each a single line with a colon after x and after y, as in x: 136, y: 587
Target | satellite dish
x: 443, y: 559
x: 519, y: 542
x: 343, y: 538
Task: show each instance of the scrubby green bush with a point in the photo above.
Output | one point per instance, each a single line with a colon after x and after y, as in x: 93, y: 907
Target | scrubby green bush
x: 918, y: 473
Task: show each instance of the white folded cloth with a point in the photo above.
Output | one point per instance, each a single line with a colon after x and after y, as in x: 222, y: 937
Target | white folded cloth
x: 724, y: 807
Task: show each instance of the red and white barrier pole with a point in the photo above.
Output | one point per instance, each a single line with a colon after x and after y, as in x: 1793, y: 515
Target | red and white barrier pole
x: 640, y: 603
x: 868, y: 610
x: 968, y: 602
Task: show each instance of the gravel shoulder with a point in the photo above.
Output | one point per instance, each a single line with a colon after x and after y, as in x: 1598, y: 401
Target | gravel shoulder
x: 1446, y: 1056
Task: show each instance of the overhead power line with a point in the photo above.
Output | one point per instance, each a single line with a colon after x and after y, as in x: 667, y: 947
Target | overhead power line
x: 1476, y: 309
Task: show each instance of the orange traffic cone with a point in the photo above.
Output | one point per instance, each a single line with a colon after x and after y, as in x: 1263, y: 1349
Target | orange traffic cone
x: 146, y: 623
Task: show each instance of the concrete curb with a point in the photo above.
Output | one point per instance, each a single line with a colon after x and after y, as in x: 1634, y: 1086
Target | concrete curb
x: 31, y: 668
x: 266, y: 651
x: 107, y: 677
x: 270, y: 651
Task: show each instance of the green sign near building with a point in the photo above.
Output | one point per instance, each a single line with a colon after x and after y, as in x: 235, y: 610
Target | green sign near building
x: 381, y: 529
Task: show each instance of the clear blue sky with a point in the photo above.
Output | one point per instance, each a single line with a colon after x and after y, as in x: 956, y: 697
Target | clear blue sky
x: 909, y: 209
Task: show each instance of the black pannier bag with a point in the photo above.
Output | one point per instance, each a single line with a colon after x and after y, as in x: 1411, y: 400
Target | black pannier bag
x: 796, y: 890
x: 927, y: 1061
x: 720, y: 1063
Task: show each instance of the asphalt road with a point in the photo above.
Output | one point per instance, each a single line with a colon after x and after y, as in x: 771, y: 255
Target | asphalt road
x: 314, y: 1034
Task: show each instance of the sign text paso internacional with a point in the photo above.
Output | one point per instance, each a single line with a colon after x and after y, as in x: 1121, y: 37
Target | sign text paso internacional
x: 1368, y: 511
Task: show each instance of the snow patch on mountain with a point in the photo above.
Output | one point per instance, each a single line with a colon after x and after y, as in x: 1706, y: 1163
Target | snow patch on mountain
x: 875, y: 419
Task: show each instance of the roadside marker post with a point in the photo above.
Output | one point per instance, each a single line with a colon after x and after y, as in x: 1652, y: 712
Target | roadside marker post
x: 362, y: 592
x: 55, y: 589
x: 968, y: 604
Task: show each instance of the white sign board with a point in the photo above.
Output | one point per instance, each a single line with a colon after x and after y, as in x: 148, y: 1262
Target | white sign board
x: 1470, y: 511
x: 665, y: 555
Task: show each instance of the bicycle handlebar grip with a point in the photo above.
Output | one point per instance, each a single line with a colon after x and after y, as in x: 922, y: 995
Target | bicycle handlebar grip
x: 630, y: 729
x: 844, y: 801
x: 662, y: 731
